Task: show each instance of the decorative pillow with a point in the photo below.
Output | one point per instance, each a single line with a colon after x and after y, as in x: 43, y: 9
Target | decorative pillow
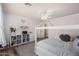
x: 65, y: 37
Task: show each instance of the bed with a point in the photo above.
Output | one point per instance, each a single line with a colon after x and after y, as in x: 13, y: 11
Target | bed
x: 54, y: 46
x: 57, y: 48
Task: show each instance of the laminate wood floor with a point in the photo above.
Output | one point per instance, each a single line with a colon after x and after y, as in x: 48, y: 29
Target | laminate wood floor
x: 8, y: 52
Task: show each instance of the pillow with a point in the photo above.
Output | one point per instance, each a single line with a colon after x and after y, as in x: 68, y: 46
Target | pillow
x: 65, y: 37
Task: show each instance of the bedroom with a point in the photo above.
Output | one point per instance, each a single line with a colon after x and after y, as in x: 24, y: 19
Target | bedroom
x: 22, y: 24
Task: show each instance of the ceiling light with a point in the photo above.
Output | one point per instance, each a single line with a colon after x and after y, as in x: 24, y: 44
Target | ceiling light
x: 28, y: 4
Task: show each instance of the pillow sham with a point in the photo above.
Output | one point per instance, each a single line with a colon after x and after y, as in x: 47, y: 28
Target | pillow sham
x: 65, y: 37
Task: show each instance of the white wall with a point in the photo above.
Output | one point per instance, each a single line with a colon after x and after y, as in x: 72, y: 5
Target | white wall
x: 15, y: 21
x: 66, y: 20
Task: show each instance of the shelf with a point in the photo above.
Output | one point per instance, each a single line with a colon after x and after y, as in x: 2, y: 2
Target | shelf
x: 13, y: 40
x: 18, y: 40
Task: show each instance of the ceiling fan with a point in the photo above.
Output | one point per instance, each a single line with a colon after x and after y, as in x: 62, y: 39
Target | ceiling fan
x: 47, y: 14
x: 45, y: 17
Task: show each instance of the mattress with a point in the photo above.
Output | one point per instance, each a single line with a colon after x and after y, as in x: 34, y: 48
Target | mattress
x: 53, y: 47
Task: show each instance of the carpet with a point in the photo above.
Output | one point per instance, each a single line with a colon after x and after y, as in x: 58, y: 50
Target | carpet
x: 26, y: 50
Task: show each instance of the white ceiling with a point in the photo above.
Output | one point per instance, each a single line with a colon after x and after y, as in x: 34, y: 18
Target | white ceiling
x: 34, y: 11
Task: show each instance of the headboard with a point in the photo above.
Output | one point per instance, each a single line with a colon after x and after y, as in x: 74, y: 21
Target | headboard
x: 55, y: 33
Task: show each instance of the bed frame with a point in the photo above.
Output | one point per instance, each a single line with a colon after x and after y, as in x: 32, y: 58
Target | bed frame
x: 67, y: 27
x: 64, y: 27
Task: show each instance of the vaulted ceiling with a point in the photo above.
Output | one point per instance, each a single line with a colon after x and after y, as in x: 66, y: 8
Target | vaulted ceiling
x: 34, y: 11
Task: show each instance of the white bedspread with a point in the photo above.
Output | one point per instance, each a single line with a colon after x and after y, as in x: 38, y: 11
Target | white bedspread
x: 50, y: 47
